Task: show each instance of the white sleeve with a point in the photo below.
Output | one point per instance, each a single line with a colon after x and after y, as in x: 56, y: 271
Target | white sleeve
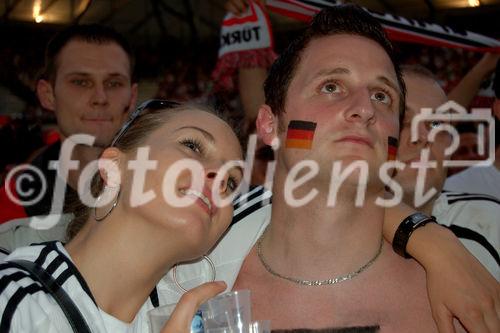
x: 482, y: 217
x: 21, y: 232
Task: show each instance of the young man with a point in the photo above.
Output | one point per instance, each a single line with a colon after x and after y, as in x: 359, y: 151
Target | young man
x: 355, y: 103
x: 472, y: 217
x: 319, y: 265
x: 88, y: 83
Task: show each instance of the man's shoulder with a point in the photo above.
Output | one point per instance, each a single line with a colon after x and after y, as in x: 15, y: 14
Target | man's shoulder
x: 476, y: 179
x: 479, y: 212
x: 250, y: 203
x: 473, y: 218
x: 46, y: 154
x: 22, y: 232
x: 252, y: 213
x: 30, y: 191
x: 457, y: 198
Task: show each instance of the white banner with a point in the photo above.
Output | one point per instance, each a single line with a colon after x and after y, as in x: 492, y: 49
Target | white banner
x: 249, y: 31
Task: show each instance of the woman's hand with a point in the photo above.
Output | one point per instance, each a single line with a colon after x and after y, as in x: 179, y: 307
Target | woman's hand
x: 180, y: 320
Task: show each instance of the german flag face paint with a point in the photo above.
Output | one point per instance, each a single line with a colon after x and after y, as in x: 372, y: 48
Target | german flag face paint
x: 300, y: 134
x: 392, y: 148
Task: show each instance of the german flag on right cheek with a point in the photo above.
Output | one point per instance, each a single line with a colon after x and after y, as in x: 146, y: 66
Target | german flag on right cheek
x: 300, y: 134
x: 392, y: 148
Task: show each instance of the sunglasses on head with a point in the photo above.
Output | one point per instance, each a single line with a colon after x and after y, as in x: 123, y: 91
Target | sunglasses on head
x: 152, y: 104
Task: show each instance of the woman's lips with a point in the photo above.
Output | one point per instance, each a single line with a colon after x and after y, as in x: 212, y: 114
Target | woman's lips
x: 201, y: 200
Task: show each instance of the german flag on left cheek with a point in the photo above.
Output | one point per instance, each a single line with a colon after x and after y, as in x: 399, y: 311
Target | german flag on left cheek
x: 392, y: 148
x: 300, y: 134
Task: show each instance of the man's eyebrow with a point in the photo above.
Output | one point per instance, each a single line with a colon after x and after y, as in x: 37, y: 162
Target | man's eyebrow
x: 117, y: 74
x: 330, y: 71
x: 206, y: 134
x: 79, y: 73
x: 390, y: 83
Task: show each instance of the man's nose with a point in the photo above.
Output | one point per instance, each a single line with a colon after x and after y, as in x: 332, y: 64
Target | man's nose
x: 99, y: 96
x: 361, y: 109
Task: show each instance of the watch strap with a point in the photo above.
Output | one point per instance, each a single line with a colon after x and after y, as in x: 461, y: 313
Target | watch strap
x: 406, y: 228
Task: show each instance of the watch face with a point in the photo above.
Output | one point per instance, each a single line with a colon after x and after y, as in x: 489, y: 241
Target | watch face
x: 419, y: 219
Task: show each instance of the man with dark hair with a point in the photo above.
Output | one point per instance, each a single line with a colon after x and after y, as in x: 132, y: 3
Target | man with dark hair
x: 335, y: 97
x: 324, y: 258
x: 88, y: 83
x: 285, y: 67
x: 472, y: 217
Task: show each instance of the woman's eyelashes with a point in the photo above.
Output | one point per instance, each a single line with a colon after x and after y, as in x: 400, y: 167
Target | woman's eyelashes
x: 193, y: 144
x: 197, y: 147
x: 232, y: 184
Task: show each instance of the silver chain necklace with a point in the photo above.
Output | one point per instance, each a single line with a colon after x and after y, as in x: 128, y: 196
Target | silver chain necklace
x: 315, y: 283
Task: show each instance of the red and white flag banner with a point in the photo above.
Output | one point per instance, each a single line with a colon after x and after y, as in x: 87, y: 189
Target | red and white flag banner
x: 246, y: 41
x: 398, y: 28
x: 250, y: 31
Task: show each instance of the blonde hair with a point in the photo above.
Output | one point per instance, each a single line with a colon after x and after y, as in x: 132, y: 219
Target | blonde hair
x: 135, y: 136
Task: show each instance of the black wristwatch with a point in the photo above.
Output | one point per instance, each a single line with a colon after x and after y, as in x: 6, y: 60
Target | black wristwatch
x: 406, y: 228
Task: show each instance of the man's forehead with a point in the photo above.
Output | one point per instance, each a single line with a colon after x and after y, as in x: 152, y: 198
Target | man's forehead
x: 343, y: 54
x: 78, y: 55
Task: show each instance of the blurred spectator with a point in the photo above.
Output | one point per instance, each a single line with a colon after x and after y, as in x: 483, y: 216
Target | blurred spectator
x: 18, y: 139
x: 468, y: 149
x: 473, y: 218
x: 88, y: 83
x: 485, y: 180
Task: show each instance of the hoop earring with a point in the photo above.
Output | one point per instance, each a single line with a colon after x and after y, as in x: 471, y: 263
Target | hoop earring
x: 100, y: 218
x: 212, y: 266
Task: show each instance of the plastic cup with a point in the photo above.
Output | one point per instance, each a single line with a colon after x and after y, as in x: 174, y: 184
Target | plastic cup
x: 262, y: 326
x: 159, y: 316
x: 228, y: 310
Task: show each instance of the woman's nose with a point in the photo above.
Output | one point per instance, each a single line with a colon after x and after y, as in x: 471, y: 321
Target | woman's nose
x: 211, y: 176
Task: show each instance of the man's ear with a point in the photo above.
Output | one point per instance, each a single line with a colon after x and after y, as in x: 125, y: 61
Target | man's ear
x: 267, y: 125
x: 109, y: 166
x: 133, y: 97
x: 45, y: 93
